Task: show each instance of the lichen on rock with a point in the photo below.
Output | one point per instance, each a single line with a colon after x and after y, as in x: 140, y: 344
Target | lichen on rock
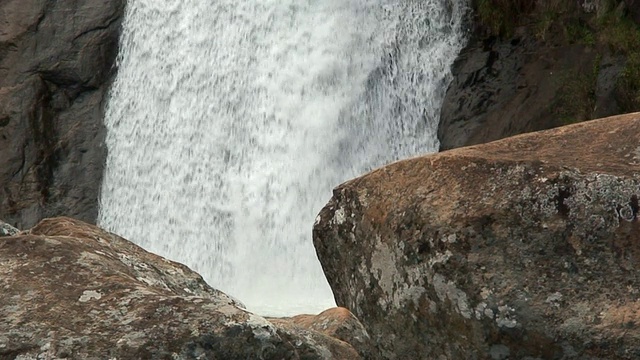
x: 524, y: 247
x: 71, y: 290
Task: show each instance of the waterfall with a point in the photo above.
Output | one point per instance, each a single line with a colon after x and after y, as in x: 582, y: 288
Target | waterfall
x: 229, y: 123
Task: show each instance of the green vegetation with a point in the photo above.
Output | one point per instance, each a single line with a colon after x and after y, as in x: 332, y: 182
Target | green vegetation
x: 619, y: 32
x: 580, y: 32
x: 501, y: 17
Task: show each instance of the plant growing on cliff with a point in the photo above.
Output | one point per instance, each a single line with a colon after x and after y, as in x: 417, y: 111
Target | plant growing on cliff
x: 619, y: 32
x: 549, y: 14
x: 501, y: 17
x: 578, y: 31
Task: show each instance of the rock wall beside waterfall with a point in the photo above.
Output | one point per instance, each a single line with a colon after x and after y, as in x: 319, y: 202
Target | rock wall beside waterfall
x: 525, y: 247
x: 531, y: 66
x: 72, y: 290
x: 56, y: 61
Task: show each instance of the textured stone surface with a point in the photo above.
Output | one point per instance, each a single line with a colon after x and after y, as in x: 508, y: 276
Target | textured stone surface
x: 7, y: 230
x: 71, y: 290
x: 337, y: 323
x: 56, y: 61
x: 521, y: 248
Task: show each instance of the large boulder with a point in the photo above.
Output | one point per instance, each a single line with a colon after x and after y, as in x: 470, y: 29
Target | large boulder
x: 524, y: 248
x: 56, y: 62
x: 71, y: 290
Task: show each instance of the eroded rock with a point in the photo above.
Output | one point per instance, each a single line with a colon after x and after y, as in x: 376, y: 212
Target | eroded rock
x: 72, y: 290
x: 521, y: 248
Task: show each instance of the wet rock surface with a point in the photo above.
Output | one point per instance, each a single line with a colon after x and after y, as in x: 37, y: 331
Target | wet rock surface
x: 71, y: 290
x: 56, y: 61
x: 523, y: 248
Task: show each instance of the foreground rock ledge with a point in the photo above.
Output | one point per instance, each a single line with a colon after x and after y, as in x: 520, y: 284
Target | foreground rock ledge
x: 528, y: 247
x: 72, y: 290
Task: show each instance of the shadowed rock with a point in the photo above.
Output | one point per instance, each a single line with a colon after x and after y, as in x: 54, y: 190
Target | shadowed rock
x: 506, y: 88
x: 72, y: 290
x: 526, y: 247
x: 543, y: 73
x: 56, y: 61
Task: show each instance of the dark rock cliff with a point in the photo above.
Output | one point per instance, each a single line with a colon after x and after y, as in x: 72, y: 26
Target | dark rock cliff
x: 537, y: 65
x: 56, y: 61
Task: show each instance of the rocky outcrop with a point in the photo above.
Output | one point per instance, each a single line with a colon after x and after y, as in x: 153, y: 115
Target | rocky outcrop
x: 338, y: 323
x: 560, y: 64
x: 56, y: 61
x: 72, y: 290
x: 524, y: 248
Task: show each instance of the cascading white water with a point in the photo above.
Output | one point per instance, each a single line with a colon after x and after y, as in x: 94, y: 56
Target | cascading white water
x: 230, y: 122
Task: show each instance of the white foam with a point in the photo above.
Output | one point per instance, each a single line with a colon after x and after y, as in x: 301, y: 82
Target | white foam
x: 230, y: 122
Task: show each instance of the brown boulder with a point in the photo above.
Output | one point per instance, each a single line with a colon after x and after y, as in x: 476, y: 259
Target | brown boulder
x: 338, y: 323
x: 56, y: 62
x: 521, y: 248
x: 72, y: 290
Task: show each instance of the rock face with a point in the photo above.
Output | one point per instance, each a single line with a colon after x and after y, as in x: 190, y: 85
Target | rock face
x: 504, y: 88
x: 71, y: 290
x: 56, y: 61
x: 551, y: 70
x: 524, y: 248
